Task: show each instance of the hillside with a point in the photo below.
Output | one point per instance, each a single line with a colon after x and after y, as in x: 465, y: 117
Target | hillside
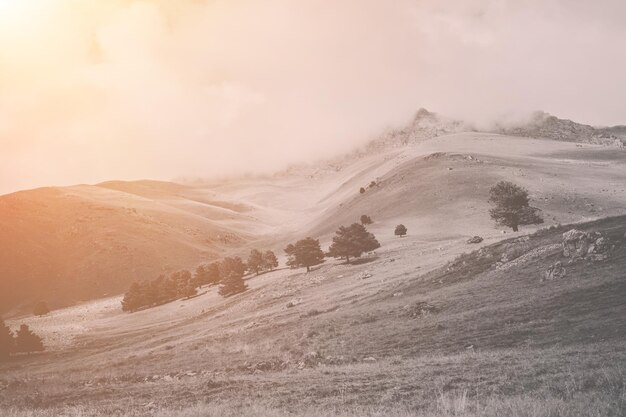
x: 75, y: 243
x: 418, y: 326
x: 84, y: 242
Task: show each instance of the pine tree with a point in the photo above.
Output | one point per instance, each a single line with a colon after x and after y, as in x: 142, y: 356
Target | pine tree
x: 134, y: 298
x: 41, y: 309
x: 512, y: 206
x: 232, y: 270
x: 185, y: 287
x: 255, y: 261
x: 400, y: 230
x: 305, y: 253
x: 228, y: 266
x: 7, y: 342
x: 352, y: 241
x: 290, y: 250
x: 26, y: 341
x: 270, y: 261
x: 213, y: 273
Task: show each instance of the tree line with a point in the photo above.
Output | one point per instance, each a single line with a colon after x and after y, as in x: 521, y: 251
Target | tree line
x: 227, y: 273
x: 349, y: 242
x: 23, y: 341
x: 511, y: 208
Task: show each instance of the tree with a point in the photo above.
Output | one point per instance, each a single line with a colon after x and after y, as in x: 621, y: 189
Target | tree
x: 232, y: 270
x: 207, y: 274
x: 352, y: 241
x: 134, y: 298
x: 7, y: 342
x: 305, y: 253
x: 512, y: 206
x: 185, y: 285
x: 400, y: 230
x: 270, y: 261
x: 26, y: 341
x: 255, y: 261
x: 41, y: 309
x: 232, y: 265
x: 365, y: 220
x: 290, y: 250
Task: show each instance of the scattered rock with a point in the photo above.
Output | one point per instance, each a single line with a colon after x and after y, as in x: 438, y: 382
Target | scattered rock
x: 475, y: 239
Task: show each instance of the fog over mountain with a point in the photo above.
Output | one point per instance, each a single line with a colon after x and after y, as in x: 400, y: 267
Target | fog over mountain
x: 128, y: 89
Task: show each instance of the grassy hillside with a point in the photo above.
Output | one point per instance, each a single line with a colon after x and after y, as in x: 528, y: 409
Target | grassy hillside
x: 77, y: 243
x: 422, y: 328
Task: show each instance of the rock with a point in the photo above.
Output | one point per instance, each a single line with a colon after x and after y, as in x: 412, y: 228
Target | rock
x: 474, y: 240
x: 555, y: 271
x: 369, y: 359
x: 589, y: 246
x: 365, y: 275
x: 293, y: 303
x: 398, y: 294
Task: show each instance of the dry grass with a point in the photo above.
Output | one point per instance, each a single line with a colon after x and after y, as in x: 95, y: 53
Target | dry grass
x: 552, y: 349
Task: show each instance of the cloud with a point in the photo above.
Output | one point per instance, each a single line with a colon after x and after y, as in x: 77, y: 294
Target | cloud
x: 108, y: 89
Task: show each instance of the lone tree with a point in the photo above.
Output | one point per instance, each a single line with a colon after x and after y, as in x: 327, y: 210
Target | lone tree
x: 511, y: 206
x: 270, y: 261
x: 305, y: 253
x: 26, y: 341
x: 232, y: 270
x: 352, y: 241
x: 255, y: 261
x: 41, y: 309
x: 7, y: 342
x: 400, y: 230
x: 365, y: 220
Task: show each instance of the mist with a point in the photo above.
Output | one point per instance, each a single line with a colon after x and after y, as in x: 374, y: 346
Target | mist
x: 99, y: 90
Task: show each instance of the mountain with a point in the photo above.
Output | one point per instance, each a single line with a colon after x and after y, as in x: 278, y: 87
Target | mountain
x: 67, y: 244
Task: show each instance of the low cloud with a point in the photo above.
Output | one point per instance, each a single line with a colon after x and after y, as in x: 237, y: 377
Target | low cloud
x: 110, y: 89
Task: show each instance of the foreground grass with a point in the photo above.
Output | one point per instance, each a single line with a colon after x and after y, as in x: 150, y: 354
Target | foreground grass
x: 609, y: 403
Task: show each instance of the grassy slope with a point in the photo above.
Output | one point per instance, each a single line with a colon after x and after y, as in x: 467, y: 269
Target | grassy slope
x: 538, y: 348
x: 83, y: 242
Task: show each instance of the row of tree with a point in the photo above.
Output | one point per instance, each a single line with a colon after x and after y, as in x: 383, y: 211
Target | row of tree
x: 348, y: 242
x: 24, y: 341
x: 227, y: 273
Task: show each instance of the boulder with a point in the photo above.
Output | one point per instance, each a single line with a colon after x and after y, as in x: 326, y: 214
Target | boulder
x: 474, y: 240
x: 589, y: 246
x: 555, y: 271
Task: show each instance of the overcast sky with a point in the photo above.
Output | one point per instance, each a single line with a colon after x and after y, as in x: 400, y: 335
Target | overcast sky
x: 92, y: 90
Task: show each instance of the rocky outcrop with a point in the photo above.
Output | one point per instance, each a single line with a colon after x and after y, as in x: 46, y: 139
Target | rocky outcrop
x: 591, y: 246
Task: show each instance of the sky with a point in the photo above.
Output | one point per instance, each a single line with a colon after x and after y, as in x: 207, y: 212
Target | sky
x: 95, y: 90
